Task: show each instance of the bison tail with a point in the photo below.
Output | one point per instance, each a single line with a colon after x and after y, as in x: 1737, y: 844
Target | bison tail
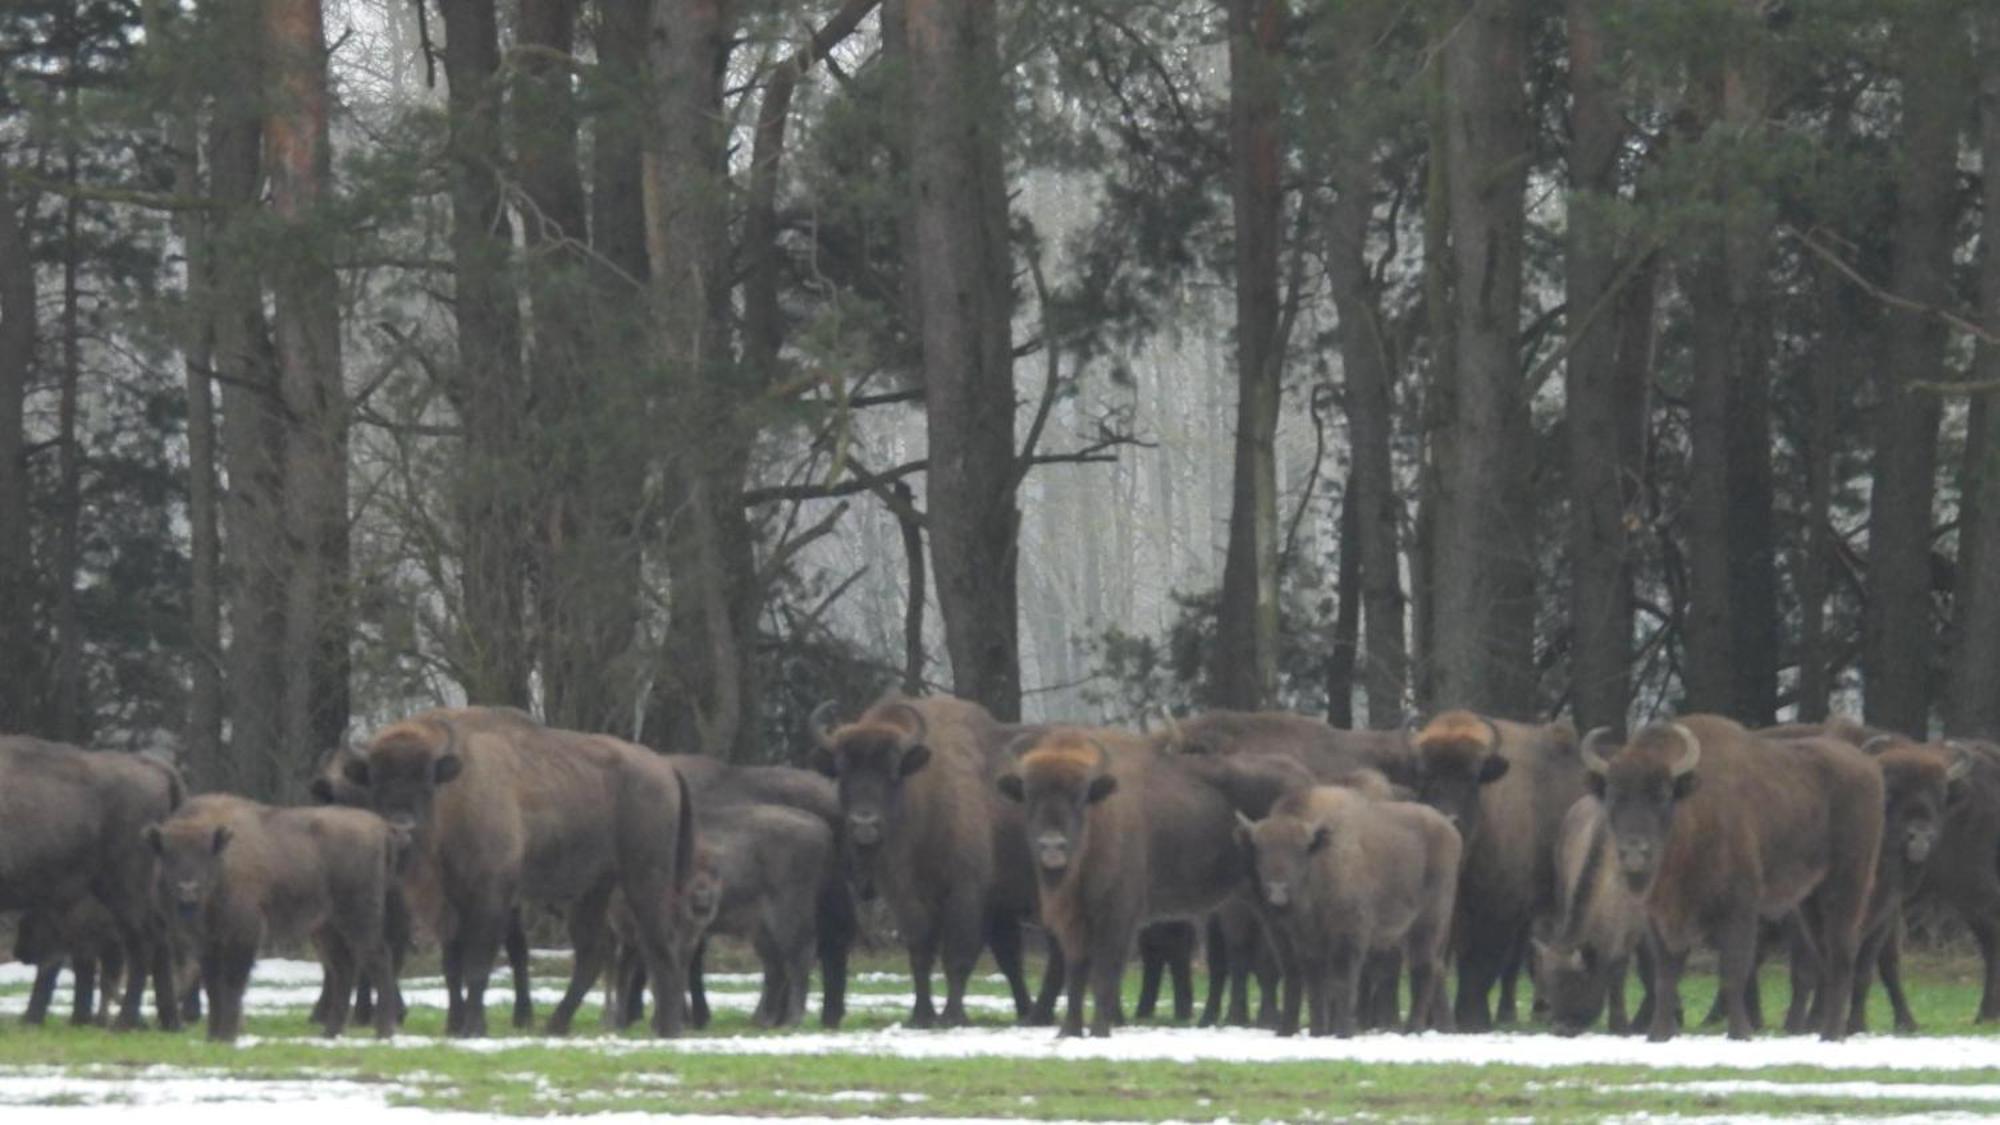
x: 683, y: 836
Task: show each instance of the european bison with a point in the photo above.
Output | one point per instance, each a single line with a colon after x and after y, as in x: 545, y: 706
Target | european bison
x: 1342, y: 878
x: 1715, y: 827
x: 234, y: 874
x: 1962, y: 869
x: 1119, y: 835
x: 84, y: 937
x: 505, y: 811
x: 69, y: 830
x: 718, y: 785
x: 1506, y: 787
x: 1327, y: 752
x: 1600, y: 924
x: 922, y: 826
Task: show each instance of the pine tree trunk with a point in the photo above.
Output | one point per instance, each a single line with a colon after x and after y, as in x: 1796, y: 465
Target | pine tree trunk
x: 1344, y: 642
x: 17, y: 359
x: 1974, y: 710
x: 1898, y: 639
x: 1484, y: 540
x: 965, y: 304
x: 1604, y: 406
x: 68, y: 719
x: 1244, y: 674
x: 307, y: 333
x: 486, y: 388
x: 204, y: 721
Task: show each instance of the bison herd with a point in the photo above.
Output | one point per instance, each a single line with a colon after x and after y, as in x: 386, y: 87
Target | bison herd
x: 1323, y: 866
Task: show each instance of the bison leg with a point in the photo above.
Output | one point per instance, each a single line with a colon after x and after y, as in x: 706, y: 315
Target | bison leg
x: 590, y: 938
x: 1291, y: 973
x: 1890, y: 962
x: 140, y: 949
x: 1426, y: 977
x: 1076, y: 971
x: 379, y: 966
x: 698, y: 1013
x: 46, y: 976
x: 1003, y: 936
x: 1479, y: 966
x: 1152, y: 967
x: 1264, y: 966
x: 1216, y: 952
x: 1808, y: 990
x: 1837, y: 956
x: 480, y: 933
x: 923, y: 951
x: 1381, y: 979
x: 517, y: 961
x: 1182, y: 965
x: 962, y: 939
x: 1107, y: 977
x: 836, y: 927
x: 1666, y: 997
x: 1616, y: 1022
x: 1052, y: 986
x: 1509, y: 1012
x: 1736, y: 955
x: 1240, y: 966
x: 226, y: 973
x: 1345, y: 993
x: 337, y: 959
x: 1986, y: 931
x: 84, y: 994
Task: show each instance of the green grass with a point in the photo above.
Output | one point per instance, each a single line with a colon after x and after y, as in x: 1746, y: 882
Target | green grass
x: 535, y: 1079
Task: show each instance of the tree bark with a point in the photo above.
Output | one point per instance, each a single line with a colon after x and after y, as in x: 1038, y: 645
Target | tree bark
x: 67, y: 720
x: 707, y: 689
x: 1974, y: 710
x: 1899, y: 642
x: 1244, y: 674
x: 1484, y: 561
x: 17, y: 359
x: 307, y: 333
x: 486, y: 388
x: 1347, y: 616
x: 1370, y: 382
x: 1604, y: 403
x: 204, y: 721
x: 965, y: 303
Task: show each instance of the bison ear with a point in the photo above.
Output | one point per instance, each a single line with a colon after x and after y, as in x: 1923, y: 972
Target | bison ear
x: 151, y: 834
x: 1685, y: 784
x: 446, y: 767
x: 221, y: 839
x: 1009, y: 785
x: 913, y: 759
x: 1492, y: 769
x: 1322, y: 835
x: 354, y: 767
x: 1101, y: 786
x: 321, y: 790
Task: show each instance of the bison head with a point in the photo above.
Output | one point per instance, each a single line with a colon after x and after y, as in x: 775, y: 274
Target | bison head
x: 701, y: 899
x: 190, y: 863
x: 1456, y: 754
x: 1281, y: 850
x: 1640, y: 784
x: 1059, y: 777
x: 1919, y: 785
x: 1574, y: 980
x: 869, y: 761
x: 330, y: 785
x: 400, y: 771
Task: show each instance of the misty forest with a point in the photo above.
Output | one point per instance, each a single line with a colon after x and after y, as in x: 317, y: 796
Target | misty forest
x: 666, y: 367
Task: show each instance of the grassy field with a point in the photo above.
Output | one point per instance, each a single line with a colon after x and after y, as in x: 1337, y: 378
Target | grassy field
x: 522, y: 1074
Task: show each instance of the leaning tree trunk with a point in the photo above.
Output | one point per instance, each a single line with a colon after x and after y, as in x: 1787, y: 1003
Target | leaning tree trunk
x: 1898, y: 640
x: 1484, y: 539
x: 307, y: 332
x: 1974, y: 709
x: 17, y: 358
x: 1244, y: 674
x: 965, y: 307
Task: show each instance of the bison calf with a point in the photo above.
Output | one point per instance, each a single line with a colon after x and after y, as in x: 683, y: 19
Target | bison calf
x: 1342, y: 877
x: 235, y: 874
x: 1600, y: 924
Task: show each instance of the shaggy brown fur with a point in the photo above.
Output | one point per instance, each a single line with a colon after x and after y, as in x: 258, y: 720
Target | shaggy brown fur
x: 69, y: 830
x: 1961, y: 871
x: 1506, y: 787
x: 506, y: 811
x: 1119, y: 834
x: 1599, y: 925
x: 1327, y: 752
x: 1342, y: 877
x: 235, y: 874
x: 1717, y: 827
x: 922, y: 827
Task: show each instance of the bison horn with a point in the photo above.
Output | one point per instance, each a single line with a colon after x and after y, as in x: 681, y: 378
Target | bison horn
x: 1691, y: 756
x: 821, y: 724
x: 1593, y: 757
x: 919, y: 729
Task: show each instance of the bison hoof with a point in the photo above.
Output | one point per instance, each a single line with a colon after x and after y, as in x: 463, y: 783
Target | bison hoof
x: 1906, y: 1027
x: 923, y: 1019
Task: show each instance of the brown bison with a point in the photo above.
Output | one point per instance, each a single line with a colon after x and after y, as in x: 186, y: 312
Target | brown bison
x: 83, y: 937
x: 1506, y: 787
x: 1600, y: 924
x: 505, y: 811
x: 1342, y: 878
x: 235, y: 874
x: 1962, y: 869
x: 922, y: 826
x: 1118, y: 835
x: 718, y: 785
x: 1327, y: 752
x: 1715, y: 827
x: 69, y: 830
